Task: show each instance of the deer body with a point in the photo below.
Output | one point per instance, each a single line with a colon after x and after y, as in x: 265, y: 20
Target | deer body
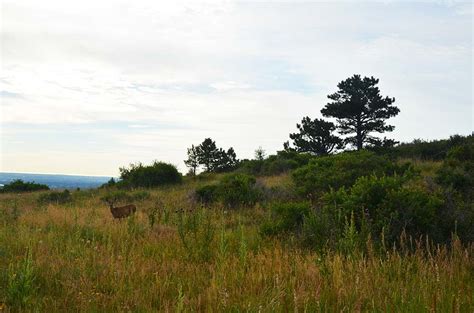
x: 123, y: 211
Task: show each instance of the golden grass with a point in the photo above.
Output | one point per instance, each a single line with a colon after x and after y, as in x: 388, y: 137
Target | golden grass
x: 85, y: 261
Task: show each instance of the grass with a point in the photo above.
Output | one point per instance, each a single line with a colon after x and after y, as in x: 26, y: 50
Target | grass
x: 75, y: 257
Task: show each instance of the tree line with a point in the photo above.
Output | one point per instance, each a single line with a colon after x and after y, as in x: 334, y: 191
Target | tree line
x: 358, y: 108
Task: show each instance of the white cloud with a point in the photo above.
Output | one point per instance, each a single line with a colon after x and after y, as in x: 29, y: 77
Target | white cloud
x: 244, y: 73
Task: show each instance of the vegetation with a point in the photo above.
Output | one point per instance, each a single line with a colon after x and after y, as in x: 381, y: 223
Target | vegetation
x: 233, y: 190
x: 381, y: 229
x: 316, y: 136
x: 55, y: 197
x: 157, y: 174
x: 21, y: 186
x: 214, y: 259
x: 213, y: 159
x: 361, y: 110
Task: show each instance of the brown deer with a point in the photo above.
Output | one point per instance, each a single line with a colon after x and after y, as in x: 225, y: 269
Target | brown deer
x: 121, y: 211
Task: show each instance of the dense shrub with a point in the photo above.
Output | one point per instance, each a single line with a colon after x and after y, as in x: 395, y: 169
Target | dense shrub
x: 380, y: 208
x: 342, y: 170
x: 388, y: 205
x: 55, y: 197
x: 457, y: 170
x: 233, y: 190
x: 238, y: 190
x: 157, y: 174
x: 207, y: 194
x: 429, y: 150
x: 21, y: 186
x: 286, y: 217
x: 282, y: 162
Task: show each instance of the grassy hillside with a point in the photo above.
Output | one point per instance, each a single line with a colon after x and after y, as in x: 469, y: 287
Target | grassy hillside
x: 174, y: 256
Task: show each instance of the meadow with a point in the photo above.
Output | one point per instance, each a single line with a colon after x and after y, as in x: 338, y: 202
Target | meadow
x: 177, y: 256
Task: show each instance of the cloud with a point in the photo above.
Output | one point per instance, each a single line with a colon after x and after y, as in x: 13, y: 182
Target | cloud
x: 168, y: 74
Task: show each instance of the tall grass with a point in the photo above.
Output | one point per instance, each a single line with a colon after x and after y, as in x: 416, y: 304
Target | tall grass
x: 77, y: 258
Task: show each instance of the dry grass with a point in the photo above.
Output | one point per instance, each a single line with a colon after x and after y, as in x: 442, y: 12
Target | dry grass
x: 206, y: 261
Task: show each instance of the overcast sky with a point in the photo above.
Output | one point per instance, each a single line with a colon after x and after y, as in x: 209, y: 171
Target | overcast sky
x: 89, y: 86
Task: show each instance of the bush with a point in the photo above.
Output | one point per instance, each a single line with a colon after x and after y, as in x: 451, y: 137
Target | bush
x: 380, y: 208
x: 238, y: 190
x: 342, y: 170
x: 430, y: 150
x: 457, y: 171
x: 207, y: 194
x: 55, y: 197
x: 283, y: 161
x: 21, y: 186
x: 286, y: 217
x: 157, y: 174
x: 234, y: 190
x: 390, y: 205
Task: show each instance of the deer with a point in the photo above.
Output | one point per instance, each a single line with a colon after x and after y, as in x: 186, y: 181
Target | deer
x: 121, y: 211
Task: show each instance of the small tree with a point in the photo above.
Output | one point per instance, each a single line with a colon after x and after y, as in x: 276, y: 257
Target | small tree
x: 315, y: 136
x: 215, y: 159
x: 193, y: 160
x: 226, y: 161
x: 360, y: 110
x: 260, y: 154
x: 207, y: 154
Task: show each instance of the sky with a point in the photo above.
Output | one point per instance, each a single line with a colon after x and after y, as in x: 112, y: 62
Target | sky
x: 89, y: 86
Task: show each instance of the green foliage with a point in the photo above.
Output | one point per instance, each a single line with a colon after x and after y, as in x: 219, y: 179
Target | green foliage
x: 207, y: 194
x: 286, y: 217
x: 21, y: 282
x: 212, y: 158
x: 430, y: 150
x: 109, y: 184
x: 360, y: 110
x: 196, y: 233
x: 193, y: 160
x: 316, y: 137
x: 390, y: 205
x: 21, y: 186
x: 282, y: 162
x: 55, y: 197
x: 233, y: 190
x: 380, y: 208
x: 457, y: 170
x: 157, y: 174
x: 236, y: 190
x: 342, y: 170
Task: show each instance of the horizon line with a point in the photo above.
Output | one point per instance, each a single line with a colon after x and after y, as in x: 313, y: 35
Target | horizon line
x: 14, y: 172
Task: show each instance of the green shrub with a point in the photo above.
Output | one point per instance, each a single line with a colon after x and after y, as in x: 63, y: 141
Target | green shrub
x: 457, y: 170
x: 56, y: 197
x: 21, y: 283
x: 342, y: 170
x: 207, y: 194
x: 233, y: 190
x: 430, y: 150
x: 238, y: 190
x: 157, y: 174
x: 283, y: 161
x: 21, y: 186
x: 390, y: 205
x: 286, y: 217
